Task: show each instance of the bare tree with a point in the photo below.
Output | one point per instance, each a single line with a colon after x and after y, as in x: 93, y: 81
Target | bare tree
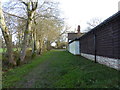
x: 93, y: 23
x: 7, y: 37
x: 31, y: 8
x: 38, y: 23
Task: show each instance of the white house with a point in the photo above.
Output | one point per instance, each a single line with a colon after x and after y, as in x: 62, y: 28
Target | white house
x: 74, y: 47
x: 73, y: 42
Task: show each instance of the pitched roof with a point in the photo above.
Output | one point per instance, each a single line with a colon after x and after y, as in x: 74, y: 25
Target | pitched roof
x: 72, y: 36
x: 116, y: 15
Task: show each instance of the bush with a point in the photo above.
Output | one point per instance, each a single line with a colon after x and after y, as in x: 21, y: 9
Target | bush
x: 16, y: 55
x: 28, y: 54
x: 33, y: 55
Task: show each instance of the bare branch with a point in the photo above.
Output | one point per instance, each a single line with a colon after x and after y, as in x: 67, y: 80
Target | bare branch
x: 23, y: 2
x: 42, y: 5
x: 15, y: 15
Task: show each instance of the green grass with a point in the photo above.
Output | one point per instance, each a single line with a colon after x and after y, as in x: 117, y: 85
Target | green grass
x: 16, y: 74
x: 0, y: 56
x: 79, y: 72
x: 4, y: 50
x: 1, y: 50
x: 65, y: 71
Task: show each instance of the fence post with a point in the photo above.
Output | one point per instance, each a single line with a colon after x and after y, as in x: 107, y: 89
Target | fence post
x: 95, y: 49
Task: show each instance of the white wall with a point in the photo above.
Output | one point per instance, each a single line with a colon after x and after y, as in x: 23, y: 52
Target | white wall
x: 111, y: 62
x: 74, y: 48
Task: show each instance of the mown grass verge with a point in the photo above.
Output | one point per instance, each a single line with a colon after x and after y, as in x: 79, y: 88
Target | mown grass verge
x: 79, y: 72
x: 69, y: 71
x: 16, y: 74
x: 66, y: 71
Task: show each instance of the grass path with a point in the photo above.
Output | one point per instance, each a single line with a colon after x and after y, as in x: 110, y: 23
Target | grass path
x: 61, y: 69
x: 36, y: 74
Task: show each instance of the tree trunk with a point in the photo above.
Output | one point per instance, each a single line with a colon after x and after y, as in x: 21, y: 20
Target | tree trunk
x: 31, y: 8
x: 48, y: 45
x: 26, y: 35
x: 39, y: 52
x: 6, y: 36
x: 33, y: 42
x: 25, y: 40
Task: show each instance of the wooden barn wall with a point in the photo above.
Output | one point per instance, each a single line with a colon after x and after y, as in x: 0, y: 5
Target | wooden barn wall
x: 107, y: 40
x: 87, y: 44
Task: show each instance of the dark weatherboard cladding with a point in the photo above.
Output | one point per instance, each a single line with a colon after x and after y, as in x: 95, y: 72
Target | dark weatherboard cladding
x: 103, y: 40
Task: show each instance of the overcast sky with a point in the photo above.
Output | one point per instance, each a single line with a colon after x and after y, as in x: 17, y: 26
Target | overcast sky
x: 80, y: 11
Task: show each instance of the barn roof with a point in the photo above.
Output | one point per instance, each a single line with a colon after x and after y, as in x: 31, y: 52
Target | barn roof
x: 72, y: 36
x: 103, y: 23
x: 94, y: 29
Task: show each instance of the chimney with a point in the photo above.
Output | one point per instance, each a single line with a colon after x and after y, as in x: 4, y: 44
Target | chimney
x: 119, y: 6
x: 78, y: 29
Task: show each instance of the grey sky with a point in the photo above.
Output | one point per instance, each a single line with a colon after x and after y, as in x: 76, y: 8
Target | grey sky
x: 80, y: 11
